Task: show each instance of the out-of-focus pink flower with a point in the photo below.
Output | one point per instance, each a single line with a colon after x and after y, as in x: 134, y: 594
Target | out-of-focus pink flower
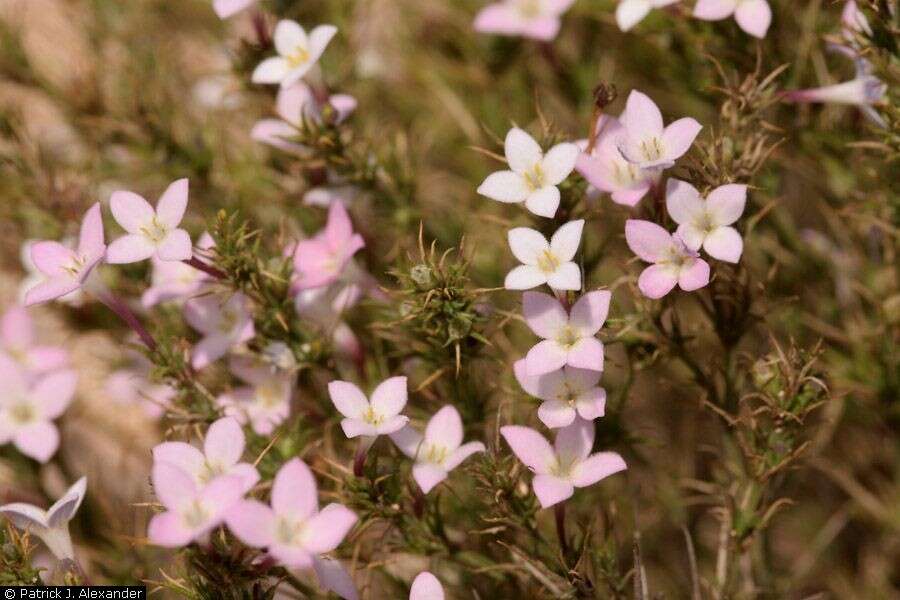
x: 17, y: 341
x: 293, y: 530
x: 706, y: 223
x: 27, y: 408
x: 319, y: 261
x: 67, y: 270
x: 223, y: 326
x: 631, y: 12
x: 537, y: 19
x: 51, y: 525
x: 865, y: 91
x: 567, y: 393
x: 295, y: 105
x: 297, y: 53
x: 223, y: 448
x: 228, y: 8
x: 532, y: 176
x: 150, y: 232
x: 370, y: 418
x: 265, y: 402
x: 854, y: 22
x: 646, y: 142
x: 426, y: 587
x: 566, y: 465
x: 131, y: 386
x: 440, y: 450
x: 334, y: 577
x: 568, y: 337
x: 673, y: 262
x: 606, y: 169
x: 191, y: 511
x: 543, y: 261
x: 753, y: 16
x: 175, y: 280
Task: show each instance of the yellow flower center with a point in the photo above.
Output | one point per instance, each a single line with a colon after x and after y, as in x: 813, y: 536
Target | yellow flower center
x: 298, y: 57
x: 372, y: 418
x: 196, y: 515
x: 22, y: 413
x: 270, y: 394
x: 154, y: 231
x: 567, y: 337
x: 652, y: 149
x: 535, y: 177
x: 548, y: 262
x: 529, y: 9
x: 436, y: 454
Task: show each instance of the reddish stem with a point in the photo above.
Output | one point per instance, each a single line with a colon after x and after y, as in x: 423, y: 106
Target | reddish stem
x: 560, y: 512
x: 121, y: 309
x: 202, y: 266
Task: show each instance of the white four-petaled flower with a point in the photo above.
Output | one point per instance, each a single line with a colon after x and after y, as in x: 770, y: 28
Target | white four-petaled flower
x: 150, y: 232
x: 297, y: 53
x: 543, y: 261
x: 706, y: 223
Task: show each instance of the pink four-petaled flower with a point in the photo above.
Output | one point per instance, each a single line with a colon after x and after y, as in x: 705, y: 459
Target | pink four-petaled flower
x: 706, y: 223
x: 439, y: 451
x: 673, y: 262
x: 66, y: 270
x: 370, y: 418
x: 753, y: 16
x: 646, y: 142
x: 293, y: 529
x: 223, y: 325
x: 319, y: 261
x: 568, y: 337
x: 537, y: 19
x: 150, y: 232
x: 17, y: 342
x: 295, y: 105
x: 265, y: 402
x: 567, y: 394
x: 566, y: 465
x: 605, y: 168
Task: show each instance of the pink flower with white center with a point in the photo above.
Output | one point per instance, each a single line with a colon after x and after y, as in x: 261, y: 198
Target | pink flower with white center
x: 293, y: 530
x: 567, y: 393
x: 297, y: 53
x: 645, y: 142
x: 223, y: 326
x: 51, y: 525
x: 440, y: 450
x: 631, y: 12
x: 175, y: 280
x: 568, y: 337
x: 370, y: 418
x: 673, y: 262
x: 27, y: 409
x: 229, y: 8
x: 606, y: 169
x: 17, y: 342
x: 67, y: 270
x: 150, y: 232
x: 543, y: 261
x: 426, y: 587
x: 537, y: 19
x: 566, y: 465
x: 706, y: 223
x: 265, y: 402
x: 191, y: 511
x: 319, y: 261
x: 223, y: 448
x: 865, y: 91
x: 753, y: 16
x: 295, y: 105
x: 533, y: 176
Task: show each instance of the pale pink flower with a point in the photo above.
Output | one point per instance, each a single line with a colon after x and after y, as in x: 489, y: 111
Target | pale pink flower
x: 223, y: 326
x: 567, y: 393
x: 175, y: 280
x: 228, y: 8
x: 28, y: 408
x: 297, y: 53
x: 293, y: 530
x: 753, y: 16
x: 191, y: 511
x: 67, y: 270
x: 543, y: 261
x: 631, y: 12
x: 319, y: 260
x: 223, y: 448
x: 17, y: 340
x: 323, y: 306
x: 51, y: 525
x: 706, y: 223
x: 33, y: 275
x: 532, y: 176
x: 334, y: 577
x: 568, y: 337
x: 265, y: 402
x: 854, y: 22
x: 131, y: 386
x: 865, y: 91
x: 537, y: 19
x: 426, y: 587
x: 150, y: 232
x: 370, y: 418
x: 296, y: 105
x: 673, y: 262
x: 646, y: 142
x: 439, y: 451
x: 566, y: 465
x: 606, y: 169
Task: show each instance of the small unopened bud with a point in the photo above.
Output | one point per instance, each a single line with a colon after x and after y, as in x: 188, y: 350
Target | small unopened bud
x: 421, y: 275
x: 604, y: 95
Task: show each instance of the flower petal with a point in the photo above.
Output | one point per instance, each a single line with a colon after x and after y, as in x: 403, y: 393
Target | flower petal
x: 641, y: 118
x: 334, y: 577
x: 504, y: 186
x: 389, y: 397
x: 587, y: 353
x: 544, y: 386
x: 252, y: 522
x: 754, y: 17
x: 39, y: 440
x: 408, y: 441
x: 289, y: 36
x: 694, y: 276
x: 657, y: 280
x: 51, y: 258
x: 544, y: 314
x: 426, y: 587
x: 683, y: 201
x: 294, y: 491
x: 724, y: 243
x: 227, y: 8
x: 714, y: 10
x: 328, y: 528
x: 182, y: 455
x: 546, y: 356
x: 590, y: 311
x: 461, y: 454
x: 555, y: 413
x: 678, y: 137
x: 575, y: 441
x: 566, y: 277
x: 319, y: 39
x: 224, y: 442
x: 551, y: 490
x: 348, y: 399
x: 173, y: 486
x: 168, y: 531
x: 559, y: 162
x: 271, y: 70
x: 524, y: 277
x: 648, y: 240
x: 566, y: 240
x: 130, y: 211
x: 130, y: 248
x: 591, y: 404
x: 527, y: 245
x: 445, y: 428
x: 176, y: 246
x: 90, y: 237
x: 543, y: 202
x: 50, y: 289
x: 54, y: 392
x: 596, y: 467
x: 522, y: 152
x: 726, y: 203
x: 172, y: 204
x: 631, y: 12
x: 428, y: 475
x: 530, y: 447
